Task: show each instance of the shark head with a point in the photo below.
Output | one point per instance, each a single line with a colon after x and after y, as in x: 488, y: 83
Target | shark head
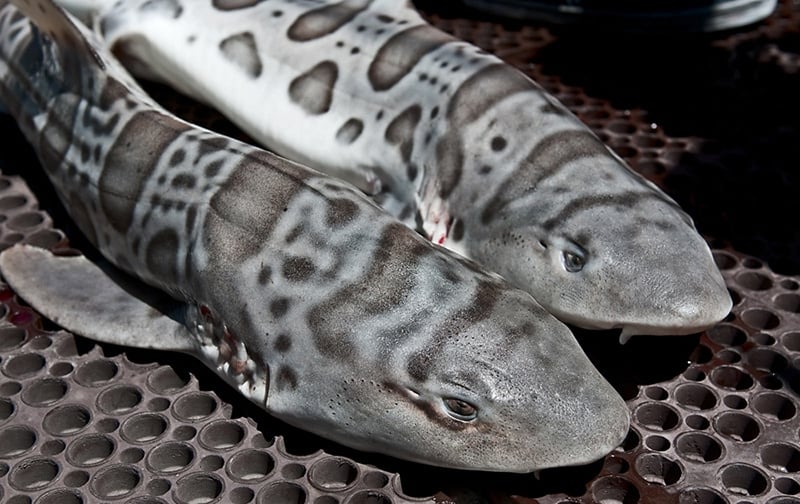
x: 615, y: 252
x: 513, y: 393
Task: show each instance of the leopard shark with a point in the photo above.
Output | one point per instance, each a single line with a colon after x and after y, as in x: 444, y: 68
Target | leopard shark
x: 447, y: 138
x: 293, y: 286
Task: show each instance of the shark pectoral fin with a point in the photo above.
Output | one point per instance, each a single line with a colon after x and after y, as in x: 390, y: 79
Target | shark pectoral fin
x: 80, y: 296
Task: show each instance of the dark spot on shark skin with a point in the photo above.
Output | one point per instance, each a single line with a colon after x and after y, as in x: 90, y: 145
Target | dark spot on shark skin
x: 298, y: 269
x: 97, y: 154
x: 325, y: 20
x: 401, y: 53
x: 279, y: 307
x: 213, y: 168
x: 265, y: 275
x: 549, y: 108
x: 406, y: 212
x: 350, y: 131
x: 161, y: 255
x: 86, y: 153
x: 450, y: 275
x: 400, y: 131
x: 498, y: 143
x: 295, y: 233
x: 177, y: 157
x: 457, y: 232
x: 340, y: 212
x: 313, y: 90
x: 130, y: 163
x: 412, y: 171
x: 184, y: 181
x: 228, y: 5
x: 169, y: 7
x: 241, y: 50
x: 287, y: 379
x: 283, y: 343
x: 418, y: 366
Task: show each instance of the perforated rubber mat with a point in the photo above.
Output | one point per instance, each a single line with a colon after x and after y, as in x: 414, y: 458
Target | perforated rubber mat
x: 715, y: 120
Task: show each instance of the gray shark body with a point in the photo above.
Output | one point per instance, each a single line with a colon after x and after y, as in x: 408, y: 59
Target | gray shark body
x: 441, y: 134
x: 293, y: 286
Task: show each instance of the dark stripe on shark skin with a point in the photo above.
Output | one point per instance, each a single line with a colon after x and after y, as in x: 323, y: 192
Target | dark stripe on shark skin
x: 487, y: 293
x: 401, y: 53
x: 130, y: 163
x: 545, y: 160
x: 248, y: 205
x: 56, y: 137
x: 298, y: 269
x: 483, y: 90
x: 161, y: 255
x: 400, y: 131
x: 325, y: 20
x: 393, y: 264
x: 450, y: 162
x: 623, y: 201
x: 313, y: 90
x: 473, y: 98
x: 228, y: 5
x: 241, y: 50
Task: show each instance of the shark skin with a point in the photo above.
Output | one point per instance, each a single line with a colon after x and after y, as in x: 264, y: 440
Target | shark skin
x: 293, y: 286
x: 441, y: 134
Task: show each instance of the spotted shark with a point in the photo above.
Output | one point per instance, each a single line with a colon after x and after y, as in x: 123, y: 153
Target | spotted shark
x: 446, y: 137
x: 295, y: 287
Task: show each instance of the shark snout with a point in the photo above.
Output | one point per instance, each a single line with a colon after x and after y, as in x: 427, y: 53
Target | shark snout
x: 703, y: 305
x: 598, y: 425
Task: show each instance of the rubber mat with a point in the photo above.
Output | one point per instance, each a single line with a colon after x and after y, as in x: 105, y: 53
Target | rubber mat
x: 714, y: 120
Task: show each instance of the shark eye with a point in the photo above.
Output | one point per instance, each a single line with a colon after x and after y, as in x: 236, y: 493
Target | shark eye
x: 573, y: 262
x: 460, y: 409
